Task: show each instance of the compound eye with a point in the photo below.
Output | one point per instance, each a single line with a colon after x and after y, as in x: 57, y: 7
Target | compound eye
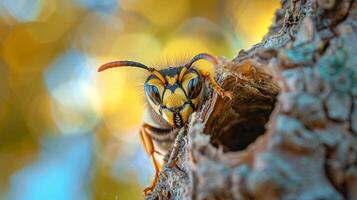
x: 194, y: 87
x: 153, y: 93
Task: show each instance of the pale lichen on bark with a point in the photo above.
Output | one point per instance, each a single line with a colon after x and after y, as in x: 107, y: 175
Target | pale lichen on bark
x: 300, y: 144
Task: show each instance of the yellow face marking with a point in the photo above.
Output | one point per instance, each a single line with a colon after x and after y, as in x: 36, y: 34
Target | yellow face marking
x: 171, y: 80
x: 175, y: 99
x: 175, y: 106
x: 196, y: 101
x: 182, y: 73
x: 159, y: 75
x: 155, y: 81
x: 186, y: 112
x: 168, y: 116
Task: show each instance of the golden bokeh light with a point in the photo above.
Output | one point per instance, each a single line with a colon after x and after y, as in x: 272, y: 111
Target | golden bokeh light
x: 252, y: 18
x: 162, y: 14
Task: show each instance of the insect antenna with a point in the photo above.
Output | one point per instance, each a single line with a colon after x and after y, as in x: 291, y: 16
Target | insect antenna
x: 200, y: 56
x: 131, y: 64
x: 124, y: 64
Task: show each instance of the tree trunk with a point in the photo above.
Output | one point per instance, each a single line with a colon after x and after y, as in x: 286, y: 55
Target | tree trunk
x: 291, y: 130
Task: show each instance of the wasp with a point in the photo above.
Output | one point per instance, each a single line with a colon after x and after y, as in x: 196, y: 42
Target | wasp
x: 173, y: 94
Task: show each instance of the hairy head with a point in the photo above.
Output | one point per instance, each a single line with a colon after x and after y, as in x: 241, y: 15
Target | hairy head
x: 174, y: 99
x: 173, y: 93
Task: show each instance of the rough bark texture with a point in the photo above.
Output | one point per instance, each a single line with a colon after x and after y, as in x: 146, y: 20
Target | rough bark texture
x: 291, y: 130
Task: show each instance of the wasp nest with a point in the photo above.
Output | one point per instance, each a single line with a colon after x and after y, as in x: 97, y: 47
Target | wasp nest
x: 291, y: 130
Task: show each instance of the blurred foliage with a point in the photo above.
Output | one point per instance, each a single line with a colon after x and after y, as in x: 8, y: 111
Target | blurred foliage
x: 51, y: 94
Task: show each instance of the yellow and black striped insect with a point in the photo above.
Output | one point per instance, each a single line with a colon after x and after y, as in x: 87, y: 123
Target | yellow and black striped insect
x: 173, y: 94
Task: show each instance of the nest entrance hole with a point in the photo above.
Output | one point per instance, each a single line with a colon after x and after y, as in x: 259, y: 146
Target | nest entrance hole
x: 238, y: 136
x: 236, y: 124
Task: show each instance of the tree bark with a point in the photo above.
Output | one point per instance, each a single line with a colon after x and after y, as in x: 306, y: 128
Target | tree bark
x: 291, y: 130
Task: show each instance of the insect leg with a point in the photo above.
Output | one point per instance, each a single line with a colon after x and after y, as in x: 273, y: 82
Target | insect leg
x: 215, y: 85
x: 149, y: 147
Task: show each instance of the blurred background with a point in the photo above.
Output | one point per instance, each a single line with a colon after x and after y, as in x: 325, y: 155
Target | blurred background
x: 68, y: 132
